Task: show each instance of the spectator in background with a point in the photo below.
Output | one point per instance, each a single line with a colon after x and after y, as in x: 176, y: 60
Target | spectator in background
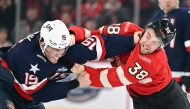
x: 178, y: 51
x: 146, y: 10
x: 3, y: 37
x: 29, y: 25
x: 90, y: 24
x: 43, y: 8
x: 129, y: 5
x: 66, y: 19
x: 91, y: 9
x: 114, y: 13
x: 7, y: 15
x: 64, y: 6
x: 184, y: 3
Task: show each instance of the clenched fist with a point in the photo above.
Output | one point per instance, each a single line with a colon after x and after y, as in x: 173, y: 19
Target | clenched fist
x: 77, y: 69
x: 84, y: 79
x: 72, y: 41
x: 87, y: 33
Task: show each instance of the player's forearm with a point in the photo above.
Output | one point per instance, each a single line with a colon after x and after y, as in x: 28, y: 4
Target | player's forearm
x: 104, y: 77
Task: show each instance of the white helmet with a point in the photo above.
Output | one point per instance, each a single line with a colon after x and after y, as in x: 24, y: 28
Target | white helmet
x: 55, y: 34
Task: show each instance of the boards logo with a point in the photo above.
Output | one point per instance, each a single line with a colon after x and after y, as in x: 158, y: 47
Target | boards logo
x: 82, y: 94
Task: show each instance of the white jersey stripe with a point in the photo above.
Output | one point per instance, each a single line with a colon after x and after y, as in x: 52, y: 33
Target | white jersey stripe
x: 187, y: 43
x: 121, y: 75
x: 98, y: 48
x: 35, y: 87
x: 104, y: 78
x: 25, y: 91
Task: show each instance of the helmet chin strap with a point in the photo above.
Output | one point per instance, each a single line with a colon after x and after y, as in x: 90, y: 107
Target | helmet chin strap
x: 44, y: 48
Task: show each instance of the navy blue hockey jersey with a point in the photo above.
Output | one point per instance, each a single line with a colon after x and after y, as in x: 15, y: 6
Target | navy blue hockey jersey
x: 178, y: 51
x: 35, y: 76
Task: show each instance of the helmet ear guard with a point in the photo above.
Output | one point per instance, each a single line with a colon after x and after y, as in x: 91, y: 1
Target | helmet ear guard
x: 164, y: 30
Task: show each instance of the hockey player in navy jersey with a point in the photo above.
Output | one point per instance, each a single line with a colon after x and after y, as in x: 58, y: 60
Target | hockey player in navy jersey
x: 178, y: 51
x: 30, y: 70
x: 143, y: 69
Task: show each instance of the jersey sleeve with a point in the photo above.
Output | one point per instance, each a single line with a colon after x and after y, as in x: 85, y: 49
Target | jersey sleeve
x: 137, y: 69
x: 125, y: 28
x: 78, y: 31
x: 79, y: 53
x: 99, y: 47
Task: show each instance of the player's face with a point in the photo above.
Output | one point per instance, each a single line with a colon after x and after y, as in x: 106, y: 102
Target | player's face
x: 149, y: 42
x: 168, y: 5
x: 53, y: 54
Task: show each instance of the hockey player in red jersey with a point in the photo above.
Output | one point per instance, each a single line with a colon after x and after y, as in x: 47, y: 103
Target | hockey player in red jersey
x: 144, y: 70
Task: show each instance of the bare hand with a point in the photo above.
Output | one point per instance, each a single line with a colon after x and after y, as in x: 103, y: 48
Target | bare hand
x: 84, y: 79
x: 87, y: 33
x: 77, y: 69
x: 72, y: 40
x: 137, y: 36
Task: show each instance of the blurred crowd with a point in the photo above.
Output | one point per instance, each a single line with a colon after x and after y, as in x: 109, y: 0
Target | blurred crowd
x: 95, y: 13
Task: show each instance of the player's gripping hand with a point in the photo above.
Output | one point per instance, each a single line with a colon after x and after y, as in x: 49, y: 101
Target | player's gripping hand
x: 77, y: 69
x: 84, y: 79
x: 72, y: 41
x: 87, y: 33
x: 137, y: 36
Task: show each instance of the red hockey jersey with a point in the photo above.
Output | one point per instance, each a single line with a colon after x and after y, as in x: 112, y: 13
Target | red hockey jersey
x: 144, y: 74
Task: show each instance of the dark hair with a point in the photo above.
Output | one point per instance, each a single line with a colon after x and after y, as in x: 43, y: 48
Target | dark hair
x: 39, y: 39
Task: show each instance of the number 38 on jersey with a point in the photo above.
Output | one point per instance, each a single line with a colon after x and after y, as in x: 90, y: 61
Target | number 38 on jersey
x: 138, y: 71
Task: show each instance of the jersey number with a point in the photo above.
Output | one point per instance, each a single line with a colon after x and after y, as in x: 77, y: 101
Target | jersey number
x: 113, y: 29
x: 137, y: 70
x: 30, y: 79
x: 89, y: 42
